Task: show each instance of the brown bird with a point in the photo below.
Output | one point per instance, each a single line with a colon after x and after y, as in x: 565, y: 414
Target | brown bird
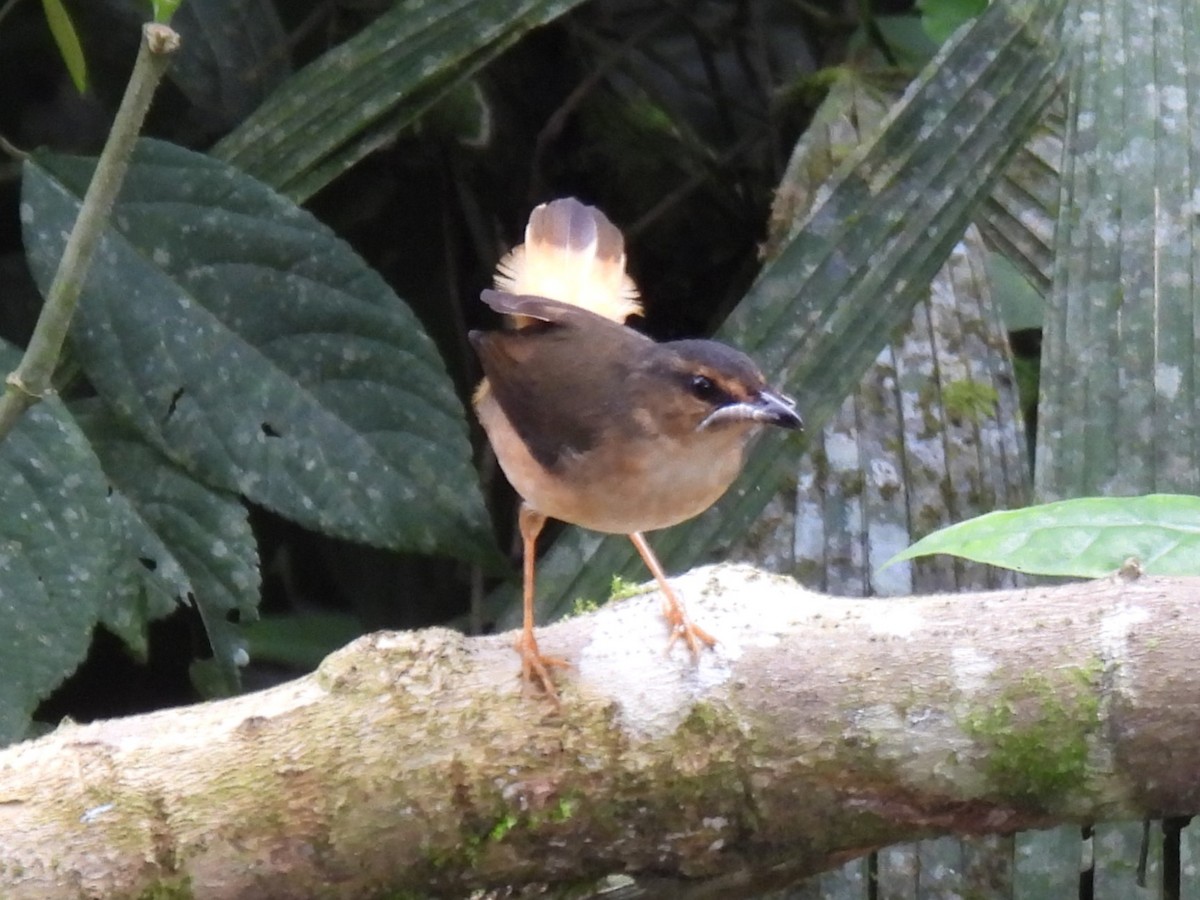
x: 596, y: 424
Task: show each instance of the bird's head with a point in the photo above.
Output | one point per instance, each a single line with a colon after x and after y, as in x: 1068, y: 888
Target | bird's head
x: 706, y: 386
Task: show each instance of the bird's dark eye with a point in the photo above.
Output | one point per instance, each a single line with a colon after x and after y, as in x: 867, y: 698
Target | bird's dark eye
x: 703, y: 387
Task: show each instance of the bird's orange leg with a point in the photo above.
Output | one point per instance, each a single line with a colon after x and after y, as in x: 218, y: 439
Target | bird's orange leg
x: 535, y: 668
x: 681, y: 626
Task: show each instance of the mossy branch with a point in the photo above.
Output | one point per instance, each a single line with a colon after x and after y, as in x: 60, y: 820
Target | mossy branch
x: 819, y: 728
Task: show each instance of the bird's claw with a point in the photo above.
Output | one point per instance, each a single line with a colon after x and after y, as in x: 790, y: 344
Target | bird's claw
x: 696, y: 638
x: 535, y: 668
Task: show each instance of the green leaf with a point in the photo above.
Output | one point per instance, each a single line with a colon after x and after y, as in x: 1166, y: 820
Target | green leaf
x: 1018, y: 216
x: 941, y: 18
x: 1086, y: 538
x: 185, y: 542
x: 1120, y: 397
x: 232, y: 55
x: 1021, y: 306
x: 301, y: 641
x: 906, y: 37
x: 253, y: 348
x: 57, y: 547
x: 164, y: 10
x: 360, y: 95
x: 67, y: 40
x: 463, y: 115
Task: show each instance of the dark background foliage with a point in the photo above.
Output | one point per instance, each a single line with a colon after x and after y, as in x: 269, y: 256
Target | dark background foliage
x: 676, y: 118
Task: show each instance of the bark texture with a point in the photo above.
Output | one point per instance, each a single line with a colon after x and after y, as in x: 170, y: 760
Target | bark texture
x: 818, y: 729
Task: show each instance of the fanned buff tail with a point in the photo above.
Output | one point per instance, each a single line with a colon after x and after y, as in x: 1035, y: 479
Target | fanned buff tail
x: 574, y: 254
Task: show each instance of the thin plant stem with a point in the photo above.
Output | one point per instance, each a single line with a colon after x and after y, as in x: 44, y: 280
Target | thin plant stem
x: 30, y: 382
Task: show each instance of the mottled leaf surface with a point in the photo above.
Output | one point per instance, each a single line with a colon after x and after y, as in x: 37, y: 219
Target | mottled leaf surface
x: 57, y: 547
x: 1119, y: 412
x: 184, y: 542
x: 252, y: 347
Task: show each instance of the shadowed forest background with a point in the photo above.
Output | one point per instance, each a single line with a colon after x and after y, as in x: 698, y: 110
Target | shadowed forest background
x: 876, y: 204
x: 676, y: 119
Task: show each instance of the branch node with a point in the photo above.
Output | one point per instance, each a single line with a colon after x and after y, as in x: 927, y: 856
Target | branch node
x: 1131, y: 569
x: 18, y: 383
x: 160, y: 39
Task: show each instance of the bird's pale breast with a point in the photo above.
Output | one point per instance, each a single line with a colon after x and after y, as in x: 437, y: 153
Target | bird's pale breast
x: 622, y: 487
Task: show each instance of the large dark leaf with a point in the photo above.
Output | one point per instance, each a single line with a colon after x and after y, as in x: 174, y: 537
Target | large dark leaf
x: 245, y: 341
x: 57, y: 546
x: 1119, y: 412
x: 183, y: 542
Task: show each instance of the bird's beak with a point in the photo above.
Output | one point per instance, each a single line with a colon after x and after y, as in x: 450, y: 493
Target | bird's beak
x: 768, y: 407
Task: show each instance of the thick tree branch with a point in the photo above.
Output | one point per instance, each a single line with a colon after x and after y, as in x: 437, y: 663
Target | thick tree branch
x: 819, y: 728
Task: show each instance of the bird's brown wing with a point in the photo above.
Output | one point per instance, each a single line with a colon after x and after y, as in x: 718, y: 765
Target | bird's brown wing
x: 546, y: 376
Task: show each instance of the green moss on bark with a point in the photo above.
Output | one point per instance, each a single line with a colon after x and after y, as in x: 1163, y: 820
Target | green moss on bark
x: 1036, y: 736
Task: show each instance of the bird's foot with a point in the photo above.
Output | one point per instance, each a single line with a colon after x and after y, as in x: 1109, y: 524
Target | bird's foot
x: 535, y: 668
x: 684, y: 628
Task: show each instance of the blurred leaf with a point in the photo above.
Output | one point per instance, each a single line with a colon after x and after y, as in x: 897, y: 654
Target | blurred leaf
x: 184, y: 542
x: 360, y: 95
x: 164, y: 10
x: 67, y: 41
x: 1086, y: 538
x: 57, y: 547
x: 907, y: 39
x: 233, y: 54
x: 941, y: 18
x: 1019, y: 215
x: 246, y: 342
x: 822, y: 310
x: 462, y: 115
x: 300, y: 641
x: 1021, y: 305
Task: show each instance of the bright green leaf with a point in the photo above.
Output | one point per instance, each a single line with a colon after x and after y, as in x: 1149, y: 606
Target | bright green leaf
x: 68, y: 42
x: 253, y: 348
x: 164, y: 10
x: 1086, y: 538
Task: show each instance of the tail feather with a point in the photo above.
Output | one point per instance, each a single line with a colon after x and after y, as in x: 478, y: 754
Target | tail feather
x: 574, y: 254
